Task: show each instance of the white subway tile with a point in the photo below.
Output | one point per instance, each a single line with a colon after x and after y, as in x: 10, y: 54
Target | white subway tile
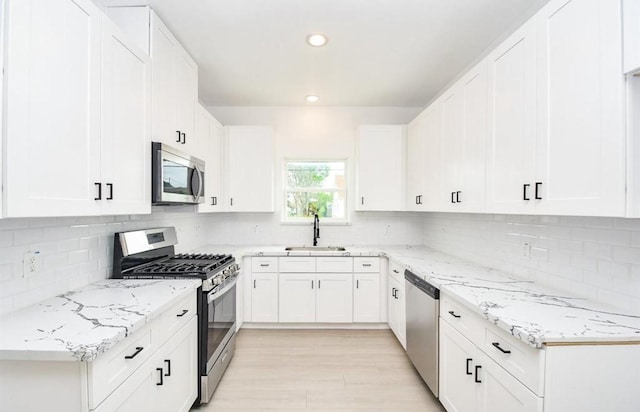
x: 78, y: 256
x: 626, y: 254
x: 28, y: 236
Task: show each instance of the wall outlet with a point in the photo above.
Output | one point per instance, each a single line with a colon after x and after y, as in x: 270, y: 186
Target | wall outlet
x: 32, y: 263
x: 526, y: 250
x: 387, y: 230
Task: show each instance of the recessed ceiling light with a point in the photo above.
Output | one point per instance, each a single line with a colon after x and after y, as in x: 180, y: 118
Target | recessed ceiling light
x: 312, y: 98
x: 317, y: 39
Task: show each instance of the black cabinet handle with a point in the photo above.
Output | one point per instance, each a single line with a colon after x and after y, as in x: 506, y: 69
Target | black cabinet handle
x: 99, y: 185
x: 469, y: 360
x: 357, y: 284
x: 312, y: 284
x: 524, y: 192
x: 420, y: 199
x: 538, y: 196
x: 458, y: 197
x: 497, y: 346
x: 254, y: 283
x: 184, y: 312
x: 393, y: 292
x: 452, y: 313
x: 476, y: 377
x: 453, y: 194
x: 214, y: 201
x: 318, y: 284
x: 168, y: 362
x: 264, y: 265
x: 161, y: 380
x: 178, y: 131
x: 184, y: 138
x: 362, y: 200
x: 110, y: 186
x: 231, y: 202
x: 134, y: 354
x: 366, y: 265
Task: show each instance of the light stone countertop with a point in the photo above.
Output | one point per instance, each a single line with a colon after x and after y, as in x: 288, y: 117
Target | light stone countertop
x: 81, y: 324
x: 533, y: 313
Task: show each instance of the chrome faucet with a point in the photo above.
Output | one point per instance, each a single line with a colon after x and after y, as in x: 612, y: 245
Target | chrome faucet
x: 316, y: 229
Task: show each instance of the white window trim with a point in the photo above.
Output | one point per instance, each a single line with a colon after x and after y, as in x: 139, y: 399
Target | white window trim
x: 300, y: 221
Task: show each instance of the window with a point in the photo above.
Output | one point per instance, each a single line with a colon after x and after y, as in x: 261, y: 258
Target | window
x: 315, y: 187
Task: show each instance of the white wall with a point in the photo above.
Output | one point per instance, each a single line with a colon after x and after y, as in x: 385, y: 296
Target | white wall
x: 593, y: 257
x: 77, y: 250
x: 315, y: 133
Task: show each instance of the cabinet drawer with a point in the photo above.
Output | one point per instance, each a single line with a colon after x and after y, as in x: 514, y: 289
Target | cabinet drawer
x: 366, y: 264
x: 176, y: 317
x: 334, y: 264
x: 113, y: 367
x: 523, y: 361
x: 470, y: 324
x: 297, y: 264
x: 264, y: 264
x: 396, y: 270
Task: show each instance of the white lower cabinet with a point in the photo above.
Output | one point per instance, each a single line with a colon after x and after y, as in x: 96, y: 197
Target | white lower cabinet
x: 366, y: 297
x: 297, y: 297
x: 397, y: 310
x: 264, y: 297
x: 470, y: 381
x: 334, y: 298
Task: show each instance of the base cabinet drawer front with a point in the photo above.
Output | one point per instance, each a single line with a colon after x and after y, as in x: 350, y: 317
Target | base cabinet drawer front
x: 334, y: 298
x: 264, y: 297
x: 297, y: 298
x: 366, y: 298
x: 334, y: 264
x: 522, y: 361
x: 470, y: 324
x: 297, y: 265
x: 264, y: 264
x: 499, y: 391
x: 175, y: 318
x: 112, y: 368
x: 366, y: 264
x: 396, y: 271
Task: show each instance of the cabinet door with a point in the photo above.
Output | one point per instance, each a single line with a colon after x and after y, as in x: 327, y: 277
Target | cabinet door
x: 250, y: 169
x: 163, y: 46
x: 126, y: 124
x: 457, y: 367
x: 392, y: 306
x: 186, y: 98
x: 631, y: 15
x: 452, y: 149
x: 366, y: 297
x: 415, y: 163
x: 432, y: 158
x: 510, y: 151
x: 297, y: 297
x: 473, y: 160
x: 53, y: 108
x: 580, y: 167
x: 501, y: 392
x: 264, y: 297
x: 397, y: 311
x: 139, y: 393
x: 381, y: 168
x: 334, y: 298
x: 208, y: 133
x: 178, y: 360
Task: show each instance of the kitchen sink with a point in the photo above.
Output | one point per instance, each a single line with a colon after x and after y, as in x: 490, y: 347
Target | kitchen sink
x: 315, y: 249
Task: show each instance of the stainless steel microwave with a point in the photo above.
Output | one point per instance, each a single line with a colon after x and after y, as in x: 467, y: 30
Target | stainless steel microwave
x: 178, y: 178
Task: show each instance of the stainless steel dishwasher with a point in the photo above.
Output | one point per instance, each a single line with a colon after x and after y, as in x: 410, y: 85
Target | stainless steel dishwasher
x: 423, y: 309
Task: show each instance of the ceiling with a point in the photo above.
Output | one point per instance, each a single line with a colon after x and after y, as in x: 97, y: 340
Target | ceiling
x: 380, y: 52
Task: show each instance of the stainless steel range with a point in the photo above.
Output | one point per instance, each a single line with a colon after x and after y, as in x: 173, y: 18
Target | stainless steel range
x: 150, y: 254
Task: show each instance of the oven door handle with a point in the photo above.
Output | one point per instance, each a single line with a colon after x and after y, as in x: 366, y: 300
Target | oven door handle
x: 215, y: 294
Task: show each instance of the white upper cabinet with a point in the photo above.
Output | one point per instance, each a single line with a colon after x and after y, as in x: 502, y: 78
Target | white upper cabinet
x: 381, y: 168
x: 250, y: 169
x: 631, y: 17
x: 175, y: 89
x: 415, y: 163
x: 510, y: 149
x: 208, y: 132
x: 126, y: 124
x: 452, y: 149
x: 580, y: 142
x: 52, y: 108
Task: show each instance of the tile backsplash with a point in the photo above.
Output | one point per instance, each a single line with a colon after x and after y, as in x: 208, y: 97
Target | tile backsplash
x: 76, y: 251
x: 593, y: 257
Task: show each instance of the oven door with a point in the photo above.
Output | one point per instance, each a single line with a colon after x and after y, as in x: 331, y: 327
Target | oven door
x: 177, y: 176
x: 221, y: 319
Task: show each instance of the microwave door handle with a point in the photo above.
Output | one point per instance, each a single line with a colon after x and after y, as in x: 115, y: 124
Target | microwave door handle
x: 196, y: 189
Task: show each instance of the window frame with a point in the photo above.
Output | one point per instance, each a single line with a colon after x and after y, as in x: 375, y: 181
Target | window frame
x: 286, y: 220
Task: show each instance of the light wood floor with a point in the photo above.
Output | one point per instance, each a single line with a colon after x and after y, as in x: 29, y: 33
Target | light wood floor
x: 320, y: 370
